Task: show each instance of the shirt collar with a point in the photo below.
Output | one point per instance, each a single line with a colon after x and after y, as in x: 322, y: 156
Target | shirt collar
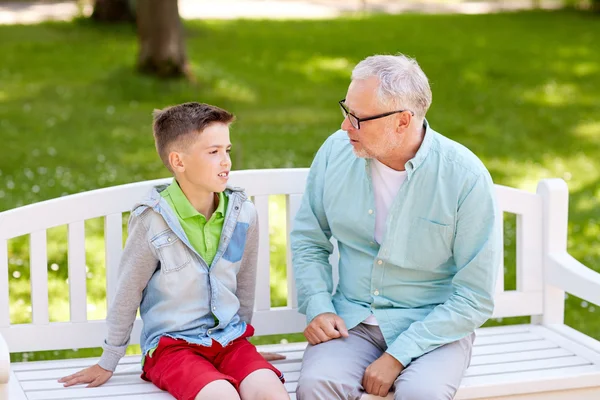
x: 182, y: 205
x: 414, y: 163
x: 221, y: 207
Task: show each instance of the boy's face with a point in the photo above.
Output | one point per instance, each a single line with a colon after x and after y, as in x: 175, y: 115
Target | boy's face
x: 206, y: 163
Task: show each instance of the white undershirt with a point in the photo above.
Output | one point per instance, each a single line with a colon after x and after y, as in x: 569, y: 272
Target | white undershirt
x: 386, y: 184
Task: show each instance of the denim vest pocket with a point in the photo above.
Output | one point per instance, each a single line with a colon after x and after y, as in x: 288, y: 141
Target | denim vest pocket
x: 237, y: 244
x: 429, y: 244
x: 171, y: 251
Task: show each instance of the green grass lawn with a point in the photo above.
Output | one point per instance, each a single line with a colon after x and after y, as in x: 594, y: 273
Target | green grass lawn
x: 521, y: 90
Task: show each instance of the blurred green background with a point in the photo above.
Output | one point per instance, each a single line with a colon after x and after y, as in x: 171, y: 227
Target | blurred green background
x: 521, y: 90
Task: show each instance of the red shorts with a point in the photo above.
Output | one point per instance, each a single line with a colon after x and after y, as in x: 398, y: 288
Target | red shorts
x: 183, y: 369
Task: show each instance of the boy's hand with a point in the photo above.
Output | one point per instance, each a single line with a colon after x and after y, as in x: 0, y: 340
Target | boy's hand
x: 94, y: 375
x: 272, y: 356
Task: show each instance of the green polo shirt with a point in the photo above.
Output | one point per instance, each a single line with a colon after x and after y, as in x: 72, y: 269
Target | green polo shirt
x: 203, y: 235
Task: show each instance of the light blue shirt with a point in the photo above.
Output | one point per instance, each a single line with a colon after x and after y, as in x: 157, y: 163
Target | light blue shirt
x: 432, y: 280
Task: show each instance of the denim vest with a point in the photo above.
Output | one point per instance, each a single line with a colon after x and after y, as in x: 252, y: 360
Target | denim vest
x: 184, y: 292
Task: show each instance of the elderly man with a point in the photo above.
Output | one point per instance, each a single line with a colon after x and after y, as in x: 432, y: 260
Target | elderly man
x: 413, y: 214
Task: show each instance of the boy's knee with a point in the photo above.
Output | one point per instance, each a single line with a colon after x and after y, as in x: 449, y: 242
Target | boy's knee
x: 273, y: 391
x: 263, y: 384
x: 275, y: 396
x: 221, y: 389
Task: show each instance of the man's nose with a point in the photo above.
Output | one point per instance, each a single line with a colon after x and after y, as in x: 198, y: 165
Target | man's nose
x: 346, y: 125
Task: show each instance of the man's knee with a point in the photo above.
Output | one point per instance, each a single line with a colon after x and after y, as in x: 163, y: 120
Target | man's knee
x: 315, y: 386
x: 423, y: 391
x: 311, y: 386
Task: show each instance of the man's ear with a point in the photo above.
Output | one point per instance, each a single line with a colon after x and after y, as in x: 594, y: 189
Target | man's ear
x: 176, y: 161
x: 403, y: 121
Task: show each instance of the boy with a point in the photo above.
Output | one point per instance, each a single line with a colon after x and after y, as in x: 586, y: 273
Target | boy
x: 189, y: 264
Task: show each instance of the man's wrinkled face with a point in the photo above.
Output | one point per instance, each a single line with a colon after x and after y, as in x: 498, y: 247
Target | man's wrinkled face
x: 375, y: 138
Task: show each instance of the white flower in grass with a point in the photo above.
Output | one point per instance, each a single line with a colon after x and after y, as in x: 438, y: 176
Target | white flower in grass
x: 584, y: 304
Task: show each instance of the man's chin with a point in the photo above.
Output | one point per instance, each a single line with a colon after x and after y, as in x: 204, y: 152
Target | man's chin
x: 361, y: 153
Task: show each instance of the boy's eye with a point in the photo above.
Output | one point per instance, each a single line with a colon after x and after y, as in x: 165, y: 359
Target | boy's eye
x: 214, y: 152
x: 229, y: 150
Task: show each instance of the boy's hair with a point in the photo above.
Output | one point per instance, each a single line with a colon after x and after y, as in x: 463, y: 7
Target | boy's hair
x: 175, y: 127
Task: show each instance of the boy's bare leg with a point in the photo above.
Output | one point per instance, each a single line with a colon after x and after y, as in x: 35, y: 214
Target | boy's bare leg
x: 263, y: 384
x: 219, y: 389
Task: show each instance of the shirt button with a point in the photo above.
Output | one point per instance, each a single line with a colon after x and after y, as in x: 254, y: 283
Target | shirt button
x: 214, y: 308
x: 169, y: 239
x: 370, y: 211
x: 376, y: 292
x: 209, y: 332
x: 379, y: 262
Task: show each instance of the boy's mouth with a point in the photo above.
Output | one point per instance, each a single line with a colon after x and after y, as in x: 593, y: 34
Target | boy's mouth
x: 224, y: 174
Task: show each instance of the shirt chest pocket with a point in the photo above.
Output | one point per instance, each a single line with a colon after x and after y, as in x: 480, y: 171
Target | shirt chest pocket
x: 429, y: 244
x: 171, y: 251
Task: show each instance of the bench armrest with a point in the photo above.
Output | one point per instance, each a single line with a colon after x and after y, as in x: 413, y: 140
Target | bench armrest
x: 568, y: 274
x: 4, y: 361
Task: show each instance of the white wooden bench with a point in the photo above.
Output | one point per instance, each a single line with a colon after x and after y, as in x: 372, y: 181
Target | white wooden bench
x: 542, y: 360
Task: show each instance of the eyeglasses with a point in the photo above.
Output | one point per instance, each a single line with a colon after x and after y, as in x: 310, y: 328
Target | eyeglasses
x: 355, y: 121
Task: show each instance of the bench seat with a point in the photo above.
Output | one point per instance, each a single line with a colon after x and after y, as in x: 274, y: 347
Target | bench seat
x: 511, y: 361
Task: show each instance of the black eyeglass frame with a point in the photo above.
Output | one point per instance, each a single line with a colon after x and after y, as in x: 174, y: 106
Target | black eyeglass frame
x: 346, y: 112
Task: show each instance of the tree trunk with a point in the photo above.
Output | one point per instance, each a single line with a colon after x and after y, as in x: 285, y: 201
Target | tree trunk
x: 160, y: 36
x: 112, y: 11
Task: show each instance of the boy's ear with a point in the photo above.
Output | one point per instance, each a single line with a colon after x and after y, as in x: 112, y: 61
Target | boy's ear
x: 176, y: 161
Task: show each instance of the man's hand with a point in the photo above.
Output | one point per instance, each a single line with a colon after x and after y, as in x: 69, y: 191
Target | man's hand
x: 325, y: 327
x: 381, y: 374
x: 94, y: 375
x: 271, y: 356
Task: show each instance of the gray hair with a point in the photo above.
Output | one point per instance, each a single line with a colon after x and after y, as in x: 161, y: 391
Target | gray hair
x: 402, y: 83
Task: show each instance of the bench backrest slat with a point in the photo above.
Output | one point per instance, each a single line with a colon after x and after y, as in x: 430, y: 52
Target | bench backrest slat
x: 500, y: 277
x: 263, y: 277
x: 292, y: 204
x: 261, y: 185
x: 4, y: 294
x: 77, y: 274
x: 38, y: 256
